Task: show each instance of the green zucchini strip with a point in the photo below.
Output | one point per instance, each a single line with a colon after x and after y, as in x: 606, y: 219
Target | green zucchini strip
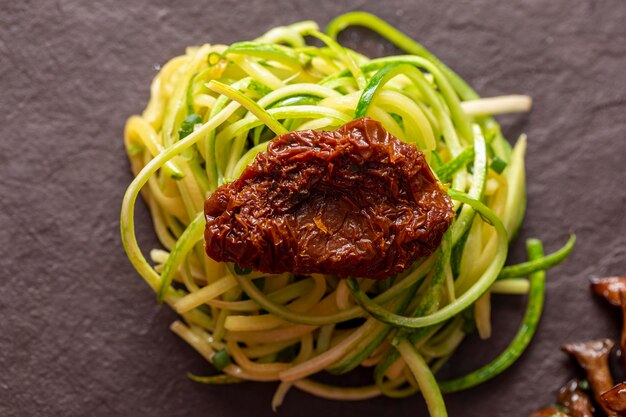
x: 522, y: 338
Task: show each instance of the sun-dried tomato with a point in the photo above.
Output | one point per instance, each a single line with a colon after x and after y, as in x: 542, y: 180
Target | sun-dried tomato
x: 356, y: 201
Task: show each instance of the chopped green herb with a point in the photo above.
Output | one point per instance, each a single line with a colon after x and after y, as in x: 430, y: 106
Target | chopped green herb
x: 498, y: 165
x: 221, y: 359
x: 187, y: 126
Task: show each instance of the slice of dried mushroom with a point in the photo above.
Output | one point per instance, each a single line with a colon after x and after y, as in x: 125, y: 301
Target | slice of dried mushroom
x: 593, y: 357
x: 549, y: 412
x: 622, y: 343
x: 575, y: 400
x: 613, y: 290
x: 609, y: 288
x: 615, y: 399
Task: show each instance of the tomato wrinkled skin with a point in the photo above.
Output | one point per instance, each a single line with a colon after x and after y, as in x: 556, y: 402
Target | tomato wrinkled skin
x: 356, y: 201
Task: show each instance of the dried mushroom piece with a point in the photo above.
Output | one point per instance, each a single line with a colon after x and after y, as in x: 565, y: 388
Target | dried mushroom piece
x: 622, y: 344
x: 613, y: 290
x: 549, y: 412
x: 609, y: 288
x: 575, y: 400
x: 615, y: 399
x: 593, y: 357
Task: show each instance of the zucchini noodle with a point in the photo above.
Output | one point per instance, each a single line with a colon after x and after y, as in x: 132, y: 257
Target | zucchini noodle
x: 213, y: 109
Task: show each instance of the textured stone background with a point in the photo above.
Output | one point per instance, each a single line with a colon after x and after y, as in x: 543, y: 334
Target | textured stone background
x: 81, y: 334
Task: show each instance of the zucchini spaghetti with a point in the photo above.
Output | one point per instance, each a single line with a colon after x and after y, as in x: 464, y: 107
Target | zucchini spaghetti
x: 213, y: 109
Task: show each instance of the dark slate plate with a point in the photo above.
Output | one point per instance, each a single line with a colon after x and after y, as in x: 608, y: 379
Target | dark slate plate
x: 81, y: 334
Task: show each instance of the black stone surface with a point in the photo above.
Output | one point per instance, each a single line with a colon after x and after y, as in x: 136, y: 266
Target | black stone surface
x: 81, y: 334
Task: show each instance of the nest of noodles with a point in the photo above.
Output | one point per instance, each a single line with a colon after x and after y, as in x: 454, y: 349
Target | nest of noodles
x: 214, y: 108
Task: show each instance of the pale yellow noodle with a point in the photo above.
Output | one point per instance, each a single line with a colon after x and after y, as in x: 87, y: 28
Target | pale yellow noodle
x: 270, y: 370
x: 268, y: 336
x: 269, y: 321
x: 321, y: 361
x: 342, y: 296
x: 258, y: 351
x: 213, y: 290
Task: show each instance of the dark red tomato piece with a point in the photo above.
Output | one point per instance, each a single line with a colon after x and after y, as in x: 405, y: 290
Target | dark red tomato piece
x: 356, y: 201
